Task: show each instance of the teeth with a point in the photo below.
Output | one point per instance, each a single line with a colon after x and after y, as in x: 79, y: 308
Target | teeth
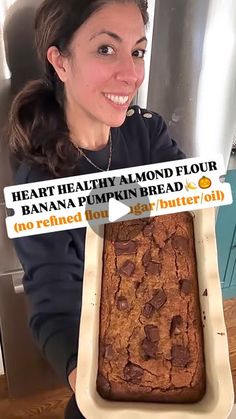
x: 118, y: 100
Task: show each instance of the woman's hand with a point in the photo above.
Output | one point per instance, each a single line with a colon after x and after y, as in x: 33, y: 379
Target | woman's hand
x: 72, y: 379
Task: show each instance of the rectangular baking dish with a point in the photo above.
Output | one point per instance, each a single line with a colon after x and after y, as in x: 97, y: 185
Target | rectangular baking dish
x: 219, y: 398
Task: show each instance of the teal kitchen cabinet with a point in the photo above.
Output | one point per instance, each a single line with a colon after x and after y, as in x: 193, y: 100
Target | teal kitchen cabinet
x: 226, y: 241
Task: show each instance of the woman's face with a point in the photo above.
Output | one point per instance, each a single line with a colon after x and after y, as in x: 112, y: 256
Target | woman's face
x: 106, y: 64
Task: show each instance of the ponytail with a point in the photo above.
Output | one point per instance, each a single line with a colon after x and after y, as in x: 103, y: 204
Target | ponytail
x: 38, y: 131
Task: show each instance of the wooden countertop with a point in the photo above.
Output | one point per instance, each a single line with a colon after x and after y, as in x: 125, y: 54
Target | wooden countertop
x: 230, y: 320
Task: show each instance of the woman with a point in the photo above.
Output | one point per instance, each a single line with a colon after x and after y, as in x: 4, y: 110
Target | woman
x: 76, y: 121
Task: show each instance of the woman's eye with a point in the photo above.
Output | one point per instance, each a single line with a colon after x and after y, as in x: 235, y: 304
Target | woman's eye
x: 106, y: 50
x: 139, y: 53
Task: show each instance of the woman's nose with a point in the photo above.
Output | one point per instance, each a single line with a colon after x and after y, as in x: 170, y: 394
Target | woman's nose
x: 128, y: 71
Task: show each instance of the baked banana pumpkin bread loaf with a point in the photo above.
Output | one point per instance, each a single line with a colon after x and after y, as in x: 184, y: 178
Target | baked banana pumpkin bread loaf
x: 151, y: 340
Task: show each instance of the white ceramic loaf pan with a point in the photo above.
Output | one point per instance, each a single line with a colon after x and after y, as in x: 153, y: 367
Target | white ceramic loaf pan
x: 219, y: 397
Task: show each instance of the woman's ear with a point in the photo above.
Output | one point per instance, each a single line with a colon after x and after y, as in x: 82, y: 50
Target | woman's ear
x: 58, y: 61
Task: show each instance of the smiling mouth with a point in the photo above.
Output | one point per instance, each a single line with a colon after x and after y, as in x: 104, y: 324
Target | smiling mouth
x: 118, y: 100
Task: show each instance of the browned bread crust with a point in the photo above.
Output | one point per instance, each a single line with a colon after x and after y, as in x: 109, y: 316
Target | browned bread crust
x: 151, y: 343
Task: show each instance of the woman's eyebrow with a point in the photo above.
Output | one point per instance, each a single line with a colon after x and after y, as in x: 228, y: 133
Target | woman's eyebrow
x: 115, y: 36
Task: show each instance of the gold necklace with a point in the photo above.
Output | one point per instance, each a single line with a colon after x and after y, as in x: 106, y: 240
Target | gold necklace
x: 90, y: 161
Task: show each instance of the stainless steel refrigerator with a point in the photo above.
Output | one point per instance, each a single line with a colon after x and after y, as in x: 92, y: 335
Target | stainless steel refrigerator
x: 191, y: 73
x: 26, y: 370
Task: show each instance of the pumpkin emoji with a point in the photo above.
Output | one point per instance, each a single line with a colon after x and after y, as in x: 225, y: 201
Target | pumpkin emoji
x: 204, y: 182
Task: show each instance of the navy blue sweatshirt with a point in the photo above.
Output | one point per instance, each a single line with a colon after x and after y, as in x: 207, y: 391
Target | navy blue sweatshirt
x: 53, y: 262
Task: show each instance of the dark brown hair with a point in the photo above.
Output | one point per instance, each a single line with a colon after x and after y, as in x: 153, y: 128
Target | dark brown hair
x: 38, y: 129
